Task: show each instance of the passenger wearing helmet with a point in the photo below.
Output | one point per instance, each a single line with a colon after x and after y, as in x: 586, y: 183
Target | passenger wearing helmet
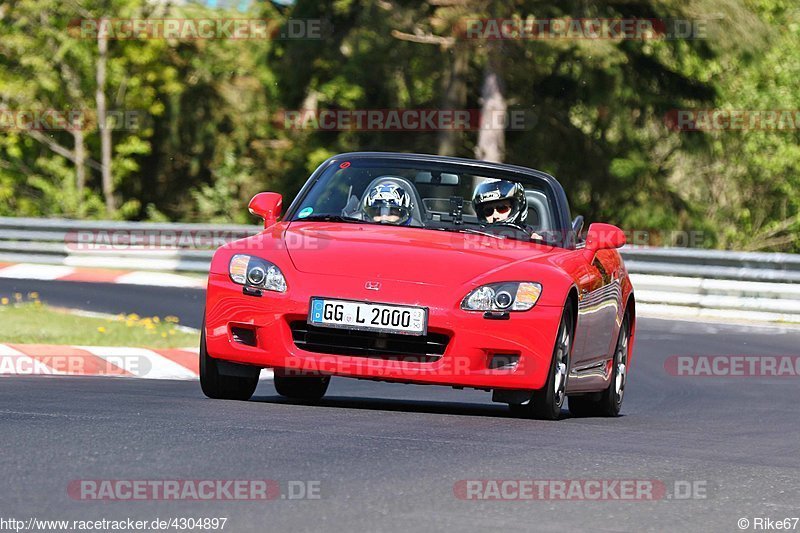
x: 501, y: 202
x: 387, y: 203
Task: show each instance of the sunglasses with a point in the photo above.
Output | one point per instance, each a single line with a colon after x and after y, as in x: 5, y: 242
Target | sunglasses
x: 503, y: 208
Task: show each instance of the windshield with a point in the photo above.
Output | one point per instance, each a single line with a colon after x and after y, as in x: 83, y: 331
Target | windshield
x: 431, y: 196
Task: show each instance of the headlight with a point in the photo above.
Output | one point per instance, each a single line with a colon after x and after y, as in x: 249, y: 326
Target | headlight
x: 256, y: 272
x: 506, y: 296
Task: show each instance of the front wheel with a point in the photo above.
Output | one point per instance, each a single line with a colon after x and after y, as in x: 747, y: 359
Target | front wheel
x: 221, y: 386
x: 546, y: 403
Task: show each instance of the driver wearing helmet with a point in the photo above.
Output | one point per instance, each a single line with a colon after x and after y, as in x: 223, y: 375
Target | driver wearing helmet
x: 501, y: 202
x: 387, y: 203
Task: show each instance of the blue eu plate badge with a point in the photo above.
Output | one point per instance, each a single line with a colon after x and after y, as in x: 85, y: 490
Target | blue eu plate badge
x: 316, y: 313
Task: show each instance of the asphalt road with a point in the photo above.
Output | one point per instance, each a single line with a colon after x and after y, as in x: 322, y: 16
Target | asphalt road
x: 387, y: 457
x: 186, y: 304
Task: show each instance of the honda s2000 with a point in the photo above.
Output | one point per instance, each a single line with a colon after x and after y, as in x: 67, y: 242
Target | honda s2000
x: 423, y: 269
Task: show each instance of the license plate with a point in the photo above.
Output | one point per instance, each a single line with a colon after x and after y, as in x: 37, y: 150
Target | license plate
x: 366, y: 316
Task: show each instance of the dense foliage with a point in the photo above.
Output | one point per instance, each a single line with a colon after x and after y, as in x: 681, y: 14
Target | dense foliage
x: 208, y: 131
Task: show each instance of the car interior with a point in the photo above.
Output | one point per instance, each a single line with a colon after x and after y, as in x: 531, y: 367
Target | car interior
x: 434, y: 194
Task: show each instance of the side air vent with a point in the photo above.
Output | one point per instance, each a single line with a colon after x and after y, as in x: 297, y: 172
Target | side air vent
x: 243, y: 335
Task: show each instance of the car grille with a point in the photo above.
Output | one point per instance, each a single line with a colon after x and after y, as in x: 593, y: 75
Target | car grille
x: 391, y: 346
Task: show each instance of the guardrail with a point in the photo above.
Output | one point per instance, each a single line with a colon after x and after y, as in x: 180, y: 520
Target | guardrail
x: 714, y: 264
x: 703, y: 280
x: 111, y: 244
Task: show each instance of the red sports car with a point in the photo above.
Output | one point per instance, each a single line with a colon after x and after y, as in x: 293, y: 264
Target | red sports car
x: 423, y: 269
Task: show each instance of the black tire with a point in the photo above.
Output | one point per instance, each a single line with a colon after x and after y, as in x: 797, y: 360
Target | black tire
x: 304, y: 388
x: 219, y: 386
x: 546, y: 403
x: 609, y: 402
x: 584, y: 406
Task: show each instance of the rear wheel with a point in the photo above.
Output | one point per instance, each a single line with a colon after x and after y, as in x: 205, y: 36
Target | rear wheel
x: 220, y: 386
x: 304, y: 388
x: 609, y: 402
x: 546, y: 403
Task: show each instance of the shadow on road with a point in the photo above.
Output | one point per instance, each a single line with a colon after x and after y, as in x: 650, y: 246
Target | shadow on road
x: 403, y: 405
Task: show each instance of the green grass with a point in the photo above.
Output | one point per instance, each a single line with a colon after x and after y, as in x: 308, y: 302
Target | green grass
x: 32, y: 322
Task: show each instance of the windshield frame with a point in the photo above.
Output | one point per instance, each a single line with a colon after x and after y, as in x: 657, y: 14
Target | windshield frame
x: 562, y: 225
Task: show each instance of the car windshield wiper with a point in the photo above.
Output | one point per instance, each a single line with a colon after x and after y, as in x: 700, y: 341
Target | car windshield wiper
x: 477, y: 232
x: 328, y: 218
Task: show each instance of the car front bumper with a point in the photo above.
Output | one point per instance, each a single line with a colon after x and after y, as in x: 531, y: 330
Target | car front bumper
x: 473, y: 343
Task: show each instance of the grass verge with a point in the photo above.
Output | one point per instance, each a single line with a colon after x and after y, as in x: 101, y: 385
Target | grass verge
x: 32, y: 322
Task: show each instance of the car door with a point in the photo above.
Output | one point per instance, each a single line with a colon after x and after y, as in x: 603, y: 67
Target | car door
x: 600, y: 304
x: 584, y: 281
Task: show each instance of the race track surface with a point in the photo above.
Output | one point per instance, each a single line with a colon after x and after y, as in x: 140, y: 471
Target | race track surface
x: 387, y: 457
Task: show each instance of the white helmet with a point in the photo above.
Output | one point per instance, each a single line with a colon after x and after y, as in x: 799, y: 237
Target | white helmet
x: 387, y: 199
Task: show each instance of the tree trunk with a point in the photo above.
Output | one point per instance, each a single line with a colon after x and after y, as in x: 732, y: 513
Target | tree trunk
x: 455, y: 97
x: 80, y: 161
x: 105, y: 131
x: 492, y: 135
x: 77, y: 128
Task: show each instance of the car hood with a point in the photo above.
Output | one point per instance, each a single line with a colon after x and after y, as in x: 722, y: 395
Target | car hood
x: 422, y: 256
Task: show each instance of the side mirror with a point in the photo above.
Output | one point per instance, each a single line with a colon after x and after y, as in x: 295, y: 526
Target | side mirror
x: 604, y: 237
x: 577, y: 228
x: 267, y: 205
x: 577, y: 225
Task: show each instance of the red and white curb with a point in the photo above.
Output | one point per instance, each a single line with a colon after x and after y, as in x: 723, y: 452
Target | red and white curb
x: 99, y: 275
x: 145, y: 363
x: 46, y: 359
